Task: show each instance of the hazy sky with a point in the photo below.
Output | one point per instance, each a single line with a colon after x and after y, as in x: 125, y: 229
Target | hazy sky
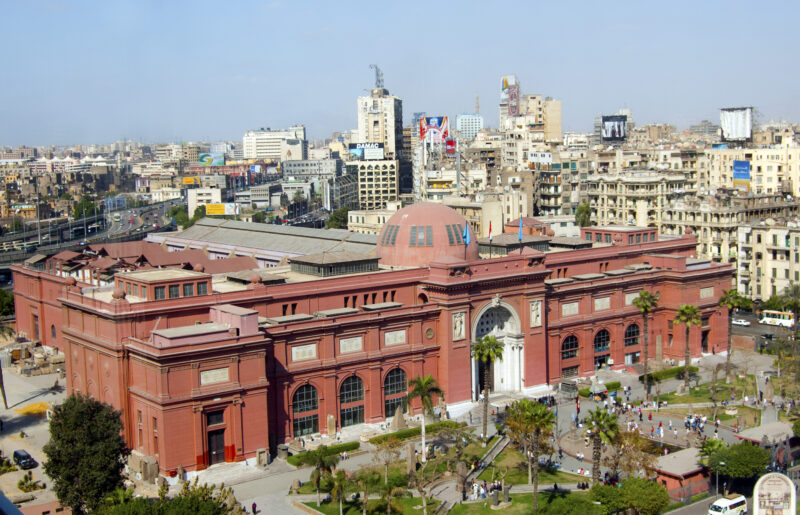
x: 82, y: 72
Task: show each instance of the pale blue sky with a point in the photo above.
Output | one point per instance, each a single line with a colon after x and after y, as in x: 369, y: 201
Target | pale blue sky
x: 82, y: 72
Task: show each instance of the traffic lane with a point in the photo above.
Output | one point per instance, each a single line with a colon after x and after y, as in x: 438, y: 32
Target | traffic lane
x: 701, y: 507
x: 755, y: 329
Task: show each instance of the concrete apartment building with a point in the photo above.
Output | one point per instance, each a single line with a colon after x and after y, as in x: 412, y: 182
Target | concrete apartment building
x: 271, y: 144
x: 380, y: 120
x: 468, y: 126
x: 319, y: 168
x: 371, y: 222
x: 634, y: 197
x: 438, y: 184
x: 772, y: 170
x: 560, y: 180
x: 377, y: 182
x: 769, y: 257
x: 202, y: 196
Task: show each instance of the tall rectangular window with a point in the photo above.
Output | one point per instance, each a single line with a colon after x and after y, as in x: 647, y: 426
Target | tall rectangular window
x: 161, y: 292
x: 188, y: 290
x: 174, y: 291
x: 202, y: 288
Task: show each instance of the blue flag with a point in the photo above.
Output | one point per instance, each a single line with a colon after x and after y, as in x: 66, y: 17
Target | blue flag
x: 465, y: 236
x: 520, y: 229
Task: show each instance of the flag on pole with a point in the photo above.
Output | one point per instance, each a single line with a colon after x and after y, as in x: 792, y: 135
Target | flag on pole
x: 490, y: 231
x: 466, y: 234
x: 520, y: 229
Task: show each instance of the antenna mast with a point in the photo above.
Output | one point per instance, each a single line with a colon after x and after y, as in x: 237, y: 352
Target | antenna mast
x: 477, y: 104
x: 378, y: 76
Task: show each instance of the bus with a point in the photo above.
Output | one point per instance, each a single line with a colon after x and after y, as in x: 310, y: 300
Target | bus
x: 116, y: 217
x: 780, y: 318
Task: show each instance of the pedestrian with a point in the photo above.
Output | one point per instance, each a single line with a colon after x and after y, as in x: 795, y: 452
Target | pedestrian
x: 255, y: 508
x: 649, y: 416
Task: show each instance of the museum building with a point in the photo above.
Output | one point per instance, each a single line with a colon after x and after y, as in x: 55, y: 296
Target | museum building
x: 209, y: 368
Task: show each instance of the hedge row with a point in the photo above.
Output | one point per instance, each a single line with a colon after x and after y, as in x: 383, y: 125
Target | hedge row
x: 613, y: 386
x: 412, y: 432
x: 668, y: 373
x: 294, y: 459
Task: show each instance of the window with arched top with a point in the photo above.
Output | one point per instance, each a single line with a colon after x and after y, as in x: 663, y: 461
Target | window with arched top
x: 395, y: 391
x: 602, y: 341
x: 304, y: 405
x: 632, y: 335
x: 351, y: 401
x: 569, y: 347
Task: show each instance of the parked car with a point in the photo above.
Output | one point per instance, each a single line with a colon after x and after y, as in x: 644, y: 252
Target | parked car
x: 24, y: 460
x: 740, y: 321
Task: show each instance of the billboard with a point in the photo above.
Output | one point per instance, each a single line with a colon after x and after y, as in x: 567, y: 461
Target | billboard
x: 255, y: 169
x: 435, y: 127
x: 211, y: 159
x: 506, y: 82
x: 222, y: 209
x: 513, y: 100
x: 736, y: 123
x: 450, y: 147
x: 741, y: 175
x: 365, y: 151
x: 191, y: 180
x: 614, y: 128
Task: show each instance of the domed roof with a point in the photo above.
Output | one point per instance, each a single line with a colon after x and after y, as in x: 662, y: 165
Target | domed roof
x: 421, y: 233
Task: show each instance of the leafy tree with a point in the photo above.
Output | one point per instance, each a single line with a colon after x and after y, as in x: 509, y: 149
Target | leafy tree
x: 84, y: 207
x: 535, y: 421
x: 731, y: 300
x: 604, y: 427
x: 583, y: 215
x: 387, y: 451
x: 389, y: 495
x: 338, y: 219
x: 425, y: 388
x: 321, y: 461
x: 487, y: 351
x: 193, y: 498
x: 646, y: 497
x: 791, y: 300
x: 66, y: 196
x: 796, y: 427
x: 631, y: 454
x: 6, y: 303
x: 298, y: 197
x: 689, y: 315
x: 558, y: 504
x: 17, y: 224
x: 84, y: 459
x: 610, y: 498
x: 199, y: 212
x: 773, y: 303
x: 741, y: 461
x: 259, y: 217
x: 646, y: 303
x: 708, y: 448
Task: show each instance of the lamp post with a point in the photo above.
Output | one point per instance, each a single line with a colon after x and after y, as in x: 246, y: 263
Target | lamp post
x: 721, y: 464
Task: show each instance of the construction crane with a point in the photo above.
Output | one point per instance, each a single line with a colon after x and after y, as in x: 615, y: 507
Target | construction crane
x: 378, y: 76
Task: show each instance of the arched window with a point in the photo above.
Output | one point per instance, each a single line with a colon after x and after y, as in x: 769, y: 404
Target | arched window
x: 602, y: 341
x: 569, y: 347
x: 632, y: 335
x: 305, y: 402
x: 351, y: 401
x: 395, y: 391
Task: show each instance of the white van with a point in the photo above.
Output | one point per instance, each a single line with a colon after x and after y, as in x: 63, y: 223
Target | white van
x: 731, y: 504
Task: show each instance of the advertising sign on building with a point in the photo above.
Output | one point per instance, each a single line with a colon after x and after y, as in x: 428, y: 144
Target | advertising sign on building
x: 741, y: 175
x: 774, y: 494
x: 365, y: 151
x: 507, y: 82
x: 450, y: 147
x: 211, y: 159
x: 256, y: 169
x: 614, y: 128
x: 191, y: 180
x: 513, y: 100
x: 437, y: 128
x: 736, y: 123
x: 226, y: 209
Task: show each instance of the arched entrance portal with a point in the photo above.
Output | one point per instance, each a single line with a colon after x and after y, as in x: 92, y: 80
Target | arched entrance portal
x: 500, y: 320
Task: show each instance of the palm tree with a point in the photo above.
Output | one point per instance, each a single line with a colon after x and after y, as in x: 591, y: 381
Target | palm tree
x: 487, y: 351
x: 531, y: 420
x: 340, y: 486
x: 791, y: 300
x: 689, y: 315
x: 646, y: 303
x: 583, y: 215
x: 731, y: 300
x: 390, y: 493
x: 367, y: 479
x: 604, y: 426
x: 322, y: 461
x: 426, y: 388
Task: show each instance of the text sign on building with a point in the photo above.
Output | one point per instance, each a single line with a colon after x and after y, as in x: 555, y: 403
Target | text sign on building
x: 211, y: 159
x: 602, y: 303
x: 450, y: 147
x: 216, y: 375
x: 569, y: 309
x: 395, y: 337
x: 303, y: 352
x: 366, y: 151
x: 353, y: 344
x: 222, y: 209
x: 741, y: 175
x: 774, y: 494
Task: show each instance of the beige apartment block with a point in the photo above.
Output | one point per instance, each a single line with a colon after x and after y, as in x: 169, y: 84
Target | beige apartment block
x: 769, y: 257
x: 371, y: 221
x: 772, y: 170
x: 635, y: 197
x: 377, y: 182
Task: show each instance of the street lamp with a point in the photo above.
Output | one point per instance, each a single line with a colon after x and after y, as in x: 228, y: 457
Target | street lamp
x: 720, y: 464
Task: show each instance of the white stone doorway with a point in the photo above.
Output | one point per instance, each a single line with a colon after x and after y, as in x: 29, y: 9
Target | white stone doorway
x: 500, y: 320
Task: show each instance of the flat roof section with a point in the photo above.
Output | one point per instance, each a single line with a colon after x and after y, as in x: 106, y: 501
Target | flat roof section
x: 191, y: 330
x: 161, y: 274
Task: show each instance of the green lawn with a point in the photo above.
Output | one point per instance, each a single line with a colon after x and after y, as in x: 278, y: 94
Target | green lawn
x: 702, y: 394
x: 407, y: 504
x: 747, y: 417
x: 520, y: 503
x: 517, y: 467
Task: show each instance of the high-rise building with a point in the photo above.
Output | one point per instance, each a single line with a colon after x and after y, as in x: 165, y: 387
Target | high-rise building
x: 380, y: 120
x: 468, y: 125
x: 268, y: 144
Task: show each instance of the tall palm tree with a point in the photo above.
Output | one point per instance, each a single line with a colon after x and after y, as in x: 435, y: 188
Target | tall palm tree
x: 689, y: 315
x: 322, y: 460
x: 646, y: 303
x: 425, y: 388
x: 731, y: 300
x: 340, y: 486
x: 390, y: 493
x: 531, y: 421
x: 367, y: 480
x: 604, y: 426
x: 791, y: 300
x: 487, y: 351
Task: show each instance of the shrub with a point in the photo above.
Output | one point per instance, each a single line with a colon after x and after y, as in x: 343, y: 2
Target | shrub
x: 668, y: 373
x: 405, y: 434
x: 333, y: 449
x: 613, y: 386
